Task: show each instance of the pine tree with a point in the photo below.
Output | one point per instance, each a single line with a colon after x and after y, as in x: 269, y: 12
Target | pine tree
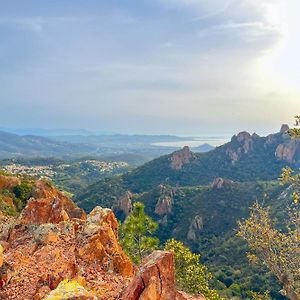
x: 136, y: 234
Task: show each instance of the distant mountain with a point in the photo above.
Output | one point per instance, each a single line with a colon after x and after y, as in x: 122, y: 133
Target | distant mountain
x: 13, y: 145
x: 203, y: 148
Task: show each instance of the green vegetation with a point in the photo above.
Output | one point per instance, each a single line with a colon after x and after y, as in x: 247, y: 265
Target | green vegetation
x: 277, y: 250
x: 191, y: 275
x: 136, y: 234
x: 22, y: 193
x: 276, y: 246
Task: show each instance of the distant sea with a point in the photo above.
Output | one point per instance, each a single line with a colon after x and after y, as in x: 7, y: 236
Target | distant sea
x: 197, y: 141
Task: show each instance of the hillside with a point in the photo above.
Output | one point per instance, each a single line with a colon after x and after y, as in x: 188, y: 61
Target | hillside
x: 13, y: 145
x: 245, y: 158
x: 199, y: 197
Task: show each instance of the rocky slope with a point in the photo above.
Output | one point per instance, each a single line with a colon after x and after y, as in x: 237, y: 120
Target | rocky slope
x: 53, y: 250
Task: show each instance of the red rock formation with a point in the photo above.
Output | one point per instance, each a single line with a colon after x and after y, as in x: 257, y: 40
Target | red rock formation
x: 181, y: 157
x: 48, y: 205
x: 154, y: 280
x: 54, y: 242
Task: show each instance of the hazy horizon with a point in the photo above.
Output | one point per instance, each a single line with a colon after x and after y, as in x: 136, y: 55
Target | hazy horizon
x: 181, y: 67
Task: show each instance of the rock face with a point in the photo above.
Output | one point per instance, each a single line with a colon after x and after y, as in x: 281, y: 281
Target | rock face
x: 241, y: 144
x: 154, y: 280
x: 181, y: 157
x: 289, y: 152
x: 165, y: 201
x: 48, y: 205
x: 195, y: 228
x: 124, y: 205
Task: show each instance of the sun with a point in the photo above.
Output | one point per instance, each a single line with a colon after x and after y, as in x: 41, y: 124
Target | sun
x: 284, y: 61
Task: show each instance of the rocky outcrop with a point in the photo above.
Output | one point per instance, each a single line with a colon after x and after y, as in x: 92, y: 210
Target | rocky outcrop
x: 164, y: 205
x: 241, y: 144
x: 181, y: 157
x: 154, y: 280
x: 284, y: 129
x: 289, y: 152
x: 48, y: 205
x: 165, y: 201
x: 55, y: 251
x: 53, y: 240
x: 219, y: 183
x: 195, y: 228
x: 124, y: 205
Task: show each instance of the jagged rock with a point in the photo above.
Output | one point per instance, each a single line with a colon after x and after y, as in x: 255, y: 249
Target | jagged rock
x: 48, y: 205
x: 219, y: 182
x: 289, y: 152
x: 195, y: 228
x: 284, y: 128
x: 124, y: 204
x: 181, y: 157
x: 165, y: 201
x: 155, y: 280
x: 164, y: 205
x: 244, y: 145
x: 100, y: 242
x: 39, y: 254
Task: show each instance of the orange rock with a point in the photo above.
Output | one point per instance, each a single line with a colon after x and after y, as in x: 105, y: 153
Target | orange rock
x: 42, y: 293
x: 49, y: 205
x: 155, y: 280
x: 1, y: 256
x: 99, y: 237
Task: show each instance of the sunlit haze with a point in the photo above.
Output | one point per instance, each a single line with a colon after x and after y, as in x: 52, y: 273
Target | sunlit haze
x: 159, y: 66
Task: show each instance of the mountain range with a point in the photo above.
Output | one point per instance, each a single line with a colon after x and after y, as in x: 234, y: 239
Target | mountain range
x: 199, y: 197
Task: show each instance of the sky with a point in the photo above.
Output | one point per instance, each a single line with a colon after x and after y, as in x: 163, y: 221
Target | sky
x: 150, y: 66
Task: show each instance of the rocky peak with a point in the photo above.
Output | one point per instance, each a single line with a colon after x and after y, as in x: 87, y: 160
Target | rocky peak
x: 181, y: 157
x: 242, y: 143
x: 243, y: 136
x: 284, y: 128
